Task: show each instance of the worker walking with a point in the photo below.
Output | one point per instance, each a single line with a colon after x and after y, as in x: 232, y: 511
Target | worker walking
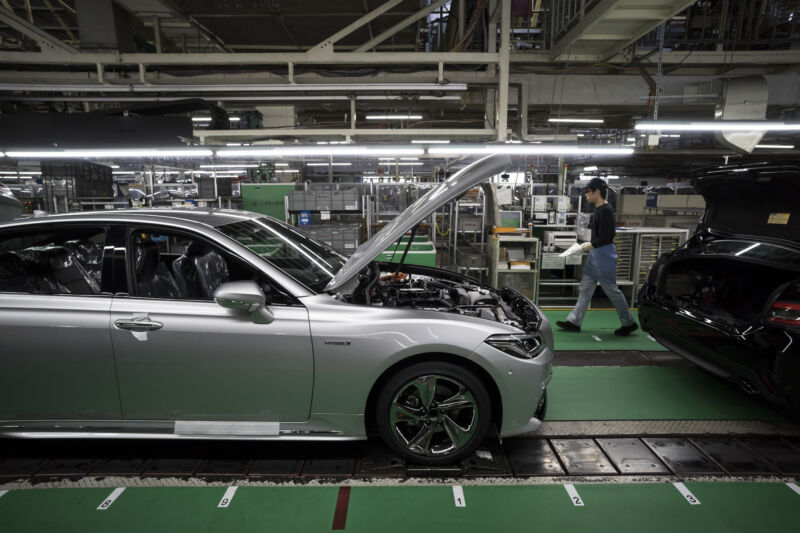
x: 601, y: 265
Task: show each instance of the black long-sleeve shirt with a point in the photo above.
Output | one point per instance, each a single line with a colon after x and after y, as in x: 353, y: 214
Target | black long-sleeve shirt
x: 603, y: 226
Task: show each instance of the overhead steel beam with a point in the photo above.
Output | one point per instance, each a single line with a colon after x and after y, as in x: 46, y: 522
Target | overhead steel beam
x: 487, y: 133
x: 401, y: 25
x: 456, y: 58
x: 319, y: 88
x: 44, y: 39
x: 327, y: 44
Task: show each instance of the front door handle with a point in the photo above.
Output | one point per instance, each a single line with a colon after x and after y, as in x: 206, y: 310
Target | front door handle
x: 138, y: 325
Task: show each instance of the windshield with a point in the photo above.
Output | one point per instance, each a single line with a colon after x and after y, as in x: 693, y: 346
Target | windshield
x: 310, y: 262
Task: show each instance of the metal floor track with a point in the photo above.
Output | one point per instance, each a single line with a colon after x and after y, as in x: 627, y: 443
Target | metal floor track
x: 603, y: 456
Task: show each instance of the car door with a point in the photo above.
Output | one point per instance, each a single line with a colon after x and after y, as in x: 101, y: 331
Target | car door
x: 182, y: 357
x: 56, y: 360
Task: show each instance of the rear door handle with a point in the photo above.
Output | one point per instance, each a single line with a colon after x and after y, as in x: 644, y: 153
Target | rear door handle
x: 138, y: 325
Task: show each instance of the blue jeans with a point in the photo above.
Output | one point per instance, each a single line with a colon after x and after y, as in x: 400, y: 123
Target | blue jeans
x: 585, y: 293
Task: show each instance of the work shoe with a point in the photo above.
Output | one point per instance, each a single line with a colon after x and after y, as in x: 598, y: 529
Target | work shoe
x: 624, y: 331
x: 569, y: 326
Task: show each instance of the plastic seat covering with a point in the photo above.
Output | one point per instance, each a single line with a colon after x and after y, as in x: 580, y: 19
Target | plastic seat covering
x: 56, y: 265
x: 199, y: 271
x: 153, y: 279
x: 16, y: 275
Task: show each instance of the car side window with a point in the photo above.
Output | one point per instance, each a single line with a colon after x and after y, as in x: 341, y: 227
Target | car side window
x: 180, y: 266
x: 52, y: 260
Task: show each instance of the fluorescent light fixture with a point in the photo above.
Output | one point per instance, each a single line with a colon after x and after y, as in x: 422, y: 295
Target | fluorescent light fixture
x: 332, y: 142
x: 14, y: 172
x: 286, y: 171
x: 201, y: 119
x: 718, y: 125
x: 776, y: 146
x: 429, y: 141
x: 393, y: 117
x: 232, y: 165
x: 320, y: 150
x: 400, y: 158
x: 233, y: 144
x: 234, y: 119
x: 527, y: 149
x: 281, y: 164
x: 590, y: 169
x: 409, y: 159
x: 114, y: 166
x: 631, y: 139
x: 409, y: 163
x: 577, y: 120
x: 328, y: 164
x: 124, y: 153
x: 119, y: 172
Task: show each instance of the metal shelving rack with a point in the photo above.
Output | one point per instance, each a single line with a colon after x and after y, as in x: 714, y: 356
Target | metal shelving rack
x: 526, y: 281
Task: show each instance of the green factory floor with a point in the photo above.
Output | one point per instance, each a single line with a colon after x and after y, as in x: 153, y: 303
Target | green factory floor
x: 647, y: 393
x: 597, y: 333
x: 723, y: 507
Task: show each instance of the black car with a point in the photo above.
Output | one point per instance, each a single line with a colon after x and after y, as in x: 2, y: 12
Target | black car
x: 729, y: 298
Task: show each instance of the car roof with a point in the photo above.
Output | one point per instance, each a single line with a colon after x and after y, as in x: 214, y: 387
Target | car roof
x: 207, y: 216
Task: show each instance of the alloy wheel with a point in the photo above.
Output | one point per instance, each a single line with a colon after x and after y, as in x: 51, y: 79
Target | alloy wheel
x: 433, y: 415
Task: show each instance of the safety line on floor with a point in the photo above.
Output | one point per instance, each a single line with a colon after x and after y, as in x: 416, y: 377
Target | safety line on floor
x: 2, y: 492
x: 686, y: 493
x: 794, y: 487
x: 227, y: 497
x: 458, y: 496
x: 573, y: 495
x: 111, y: 498
x: 342, y: 503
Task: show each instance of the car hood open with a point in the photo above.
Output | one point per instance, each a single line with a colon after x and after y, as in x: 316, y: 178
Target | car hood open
x: 756, y: 199
x: 446, y: 191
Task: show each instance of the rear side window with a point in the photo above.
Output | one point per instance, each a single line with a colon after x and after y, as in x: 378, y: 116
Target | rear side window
x: 52, y: 261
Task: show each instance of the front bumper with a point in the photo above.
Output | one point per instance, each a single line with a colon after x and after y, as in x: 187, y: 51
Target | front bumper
x: 522, y: 384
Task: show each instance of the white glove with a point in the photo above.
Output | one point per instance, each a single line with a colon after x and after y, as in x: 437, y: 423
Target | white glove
x: 572, y: 250
x: 587, y: 246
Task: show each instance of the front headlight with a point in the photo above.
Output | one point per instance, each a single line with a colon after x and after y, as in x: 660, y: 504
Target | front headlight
x: 520, y: 345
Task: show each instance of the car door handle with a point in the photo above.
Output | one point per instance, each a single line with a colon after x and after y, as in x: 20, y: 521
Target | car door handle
x: 138, y: 325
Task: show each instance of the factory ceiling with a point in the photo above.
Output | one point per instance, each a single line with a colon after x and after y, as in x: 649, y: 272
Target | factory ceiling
x: 463, y: 70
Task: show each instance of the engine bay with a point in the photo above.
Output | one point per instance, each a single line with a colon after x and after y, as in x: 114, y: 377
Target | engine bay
x: 447, y: 293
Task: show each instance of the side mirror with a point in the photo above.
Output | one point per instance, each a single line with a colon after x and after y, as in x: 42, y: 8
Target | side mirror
x: 244, y: 296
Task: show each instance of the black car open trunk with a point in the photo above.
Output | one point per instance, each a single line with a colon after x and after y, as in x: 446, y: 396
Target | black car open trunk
x: 728, y: 291
x: 752, y: 200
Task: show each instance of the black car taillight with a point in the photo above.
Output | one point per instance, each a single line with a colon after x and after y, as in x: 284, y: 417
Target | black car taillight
x: 785, y: 314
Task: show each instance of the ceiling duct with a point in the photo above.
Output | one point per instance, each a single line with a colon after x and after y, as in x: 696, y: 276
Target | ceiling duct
x: 742, y: 99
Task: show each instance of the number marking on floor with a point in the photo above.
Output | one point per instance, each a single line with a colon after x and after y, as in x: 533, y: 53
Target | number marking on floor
x: 227, y: 497
x: 794, y: 487
x: 574, y: 496
x: 108, y: 501
x: 688, y: 496
x: 458, y: 496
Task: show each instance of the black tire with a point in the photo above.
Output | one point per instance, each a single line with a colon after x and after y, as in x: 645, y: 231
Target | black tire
x: 455, y: 421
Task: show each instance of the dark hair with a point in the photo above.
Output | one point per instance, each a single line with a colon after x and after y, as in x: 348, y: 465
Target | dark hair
x: 597, y: 184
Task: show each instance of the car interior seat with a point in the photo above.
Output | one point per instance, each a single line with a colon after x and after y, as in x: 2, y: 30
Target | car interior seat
x: 153, y: 279
x: 199, y: 271
x: 57, y: 263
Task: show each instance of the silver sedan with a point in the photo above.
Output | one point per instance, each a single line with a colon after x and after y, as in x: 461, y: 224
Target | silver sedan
x: 215, y: 324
